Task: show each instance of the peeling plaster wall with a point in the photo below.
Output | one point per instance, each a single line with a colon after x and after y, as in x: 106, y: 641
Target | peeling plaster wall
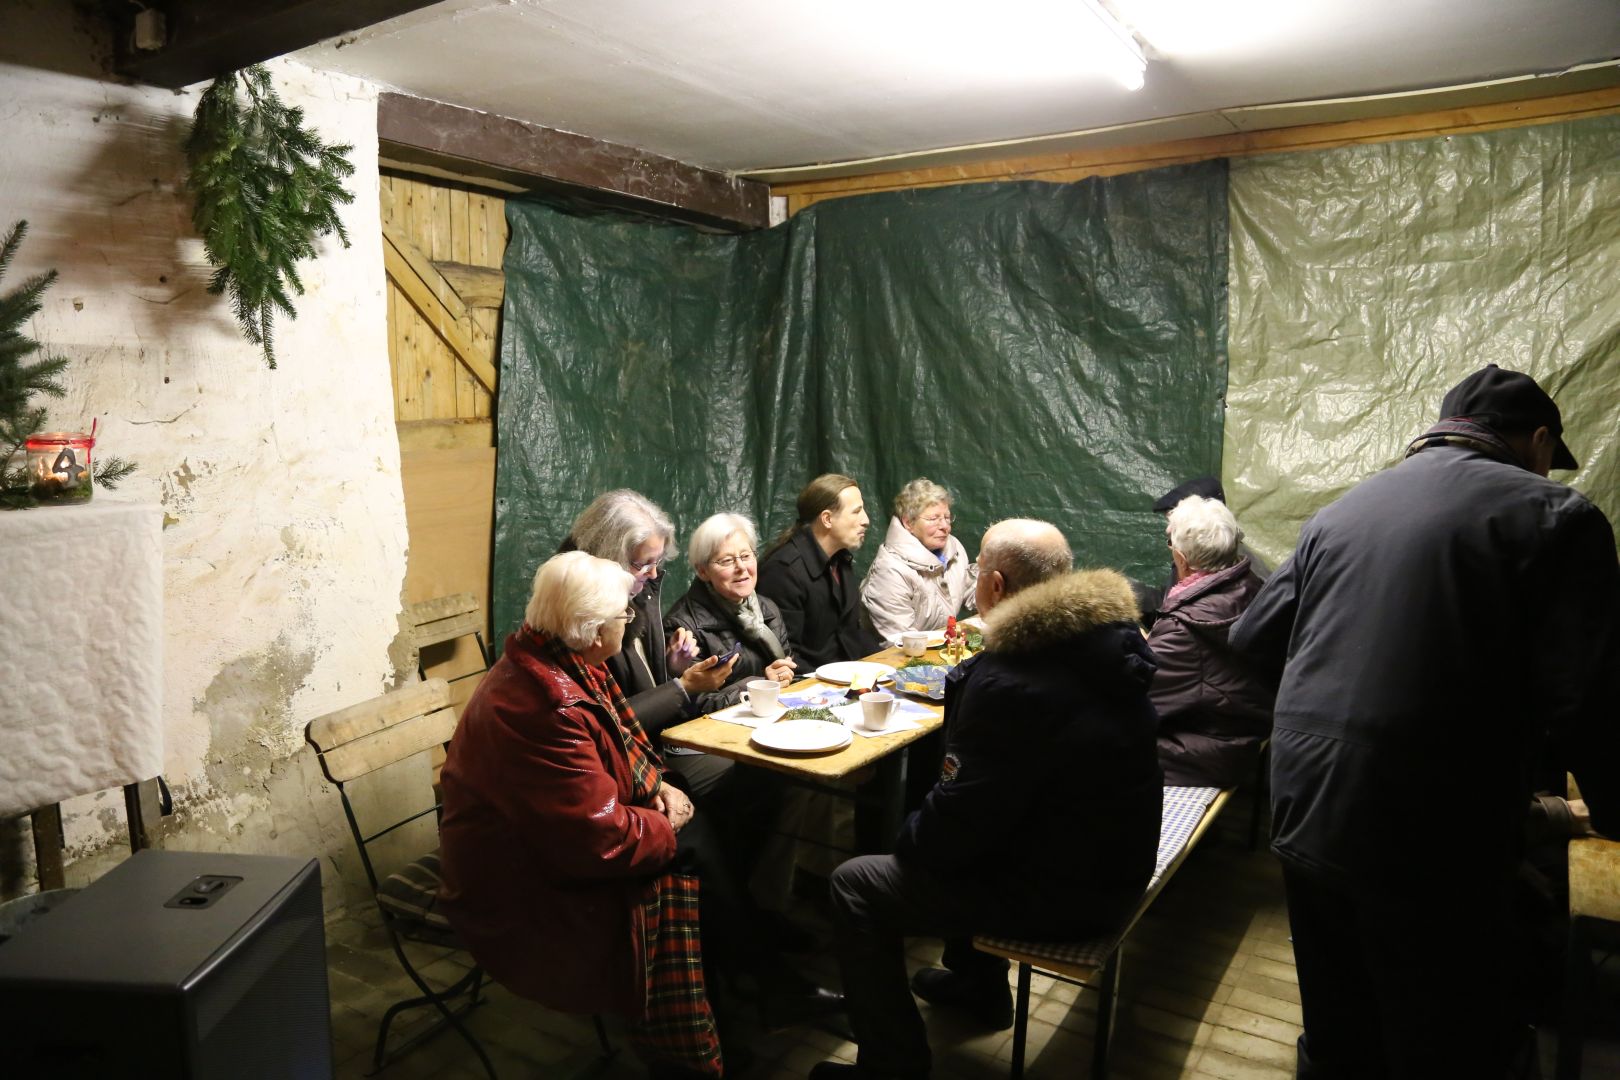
x: 284, y: 539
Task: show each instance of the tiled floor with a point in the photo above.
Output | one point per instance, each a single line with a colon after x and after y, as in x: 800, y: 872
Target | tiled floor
x: 1208, y: 992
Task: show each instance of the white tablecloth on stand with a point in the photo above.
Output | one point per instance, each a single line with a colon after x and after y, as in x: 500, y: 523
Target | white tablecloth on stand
x: 81, y: 650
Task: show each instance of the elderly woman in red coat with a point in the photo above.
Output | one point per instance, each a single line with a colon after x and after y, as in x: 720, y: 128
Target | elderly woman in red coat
x: 559, y: 832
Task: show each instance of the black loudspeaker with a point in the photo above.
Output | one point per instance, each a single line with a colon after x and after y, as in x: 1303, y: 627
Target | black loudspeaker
x: 175, y: 964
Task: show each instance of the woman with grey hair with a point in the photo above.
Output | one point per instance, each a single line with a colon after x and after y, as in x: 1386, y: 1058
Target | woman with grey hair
x: 657, y: 673
x: 921, y: 576
x: 1214, y: 705
x: 723, y: 608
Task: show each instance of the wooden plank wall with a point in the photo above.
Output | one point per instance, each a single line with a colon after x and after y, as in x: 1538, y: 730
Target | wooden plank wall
x: 1110, y: 161
x: 448, y: 225
x: 457, y: 238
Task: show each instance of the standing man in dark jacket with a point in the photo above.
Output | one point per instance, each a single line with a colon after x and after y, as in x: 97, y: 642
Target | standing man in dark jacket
x: 810, y: 575
x: 1214, y: 705
x: 1045, y: 819
x: 1446, y: 624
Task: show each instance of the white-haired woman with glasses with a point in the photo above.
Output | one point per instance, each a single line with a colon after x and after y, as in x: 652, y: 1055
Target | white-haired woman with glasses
x: 921, y: 575
x: 1214, y: 705
x: 560, y: 835
x: 571, y: 864
x: 723, y: 608
x: 660, y: 675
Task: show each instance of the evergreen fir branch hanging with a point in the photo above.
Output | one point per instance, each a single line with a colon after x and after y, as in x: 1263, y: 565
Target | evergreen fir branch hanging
x: 266, y: 188
x: 21, y: 379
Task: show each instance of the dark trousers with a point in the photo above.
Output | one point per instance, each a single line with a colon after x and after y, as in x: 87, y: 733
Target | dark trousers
x: 877, y: 902
x: 1408, y: 987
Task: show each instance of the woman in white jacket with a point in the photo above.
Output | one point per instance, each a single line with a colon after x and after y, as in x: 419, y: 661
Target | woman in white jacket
x: 921, y: 576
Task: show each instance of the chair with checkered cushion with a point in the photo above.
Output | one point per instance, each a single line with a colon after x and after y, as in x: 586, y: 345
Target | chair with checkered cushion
x: 1094, y: 963
x: 352, y: 744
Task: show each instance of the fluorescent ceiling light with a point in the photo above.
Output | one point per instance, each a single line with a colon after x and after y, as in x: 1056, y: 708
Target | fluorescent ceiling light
x: 1118, y: 51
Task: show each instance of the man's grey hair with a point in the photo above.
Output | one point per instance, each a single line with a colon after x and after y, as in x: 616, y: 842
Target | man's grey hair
x: 1024, y: 552
x: 1205, y: 532
x: 574, y: 594
x: 918, y: 496
x: 708, y: 537
x: 618, y: 522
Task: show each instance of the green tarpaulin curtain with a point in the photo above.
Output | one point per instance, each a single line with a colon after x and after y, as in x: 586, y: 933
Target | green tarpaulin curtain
x: 1368, y: 280
x: 1042, y: 350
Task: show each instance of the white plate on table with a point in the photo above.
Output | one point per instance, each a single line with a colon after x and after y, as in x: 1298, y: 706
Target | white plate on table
x: 847, y: 671
x: 802, y: 736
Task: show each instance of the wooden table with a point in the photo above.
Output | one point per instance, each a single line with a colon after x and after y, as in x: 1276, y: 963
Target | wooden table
x: 876, y: 764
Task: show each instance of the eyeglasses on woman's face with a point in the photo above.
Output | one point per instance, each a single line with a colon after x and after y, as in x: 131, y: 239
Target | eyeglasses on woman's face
x: 628, y: 614
x: 731, y: 562
x: 936, y: 519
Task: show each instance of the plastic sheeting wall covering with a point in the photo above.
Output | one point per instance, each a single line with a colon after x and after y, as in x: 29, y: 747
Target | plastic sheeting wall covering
x: 1051, y: 351
x: 1368, y: 280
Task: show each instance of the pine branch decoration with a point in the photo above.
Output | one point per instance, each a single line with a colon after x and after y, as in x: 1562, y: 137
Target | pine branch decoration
x: 21, y: 379
x: 266, y: 188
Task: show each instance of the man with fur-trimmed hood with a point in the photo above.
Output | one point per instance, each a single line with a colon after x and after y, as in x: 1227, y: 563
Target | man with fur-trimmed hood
x: 1045, y: 819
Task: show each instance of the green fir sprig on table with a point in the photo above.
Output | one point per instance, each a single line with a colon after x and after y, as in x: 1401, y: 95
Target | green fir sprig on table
x: 21, y: 379
x: 266, y: 188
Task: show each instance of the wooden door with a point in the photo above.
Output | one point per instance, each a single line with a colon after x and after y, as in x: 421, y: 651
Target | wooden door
x: 442, y: 247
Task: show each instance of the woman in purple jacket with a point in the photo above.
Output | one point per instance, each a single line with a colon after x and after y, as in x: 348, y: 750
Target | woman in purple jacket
x: 1214, y: 705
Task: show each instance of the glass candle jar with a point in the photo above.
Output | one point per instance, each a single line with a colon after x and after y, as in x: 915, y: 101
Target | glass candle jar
x: 59, y: 466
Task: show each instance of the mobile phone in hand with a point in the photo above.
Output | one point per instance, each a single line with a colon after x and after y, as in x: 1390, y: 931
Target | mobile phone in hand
x: 727, y: 657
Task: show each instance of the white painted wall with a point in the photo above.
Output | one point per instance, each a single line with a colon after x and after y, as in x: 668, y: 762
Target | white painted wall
x: 285, y: 526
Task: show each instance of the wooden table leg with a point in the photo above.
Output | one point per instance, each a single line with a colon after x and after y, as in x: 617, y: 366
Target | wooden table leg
x: 1577, y: 982
x: 47, y: 826
x: 880, y: 806
x: 142, y: 809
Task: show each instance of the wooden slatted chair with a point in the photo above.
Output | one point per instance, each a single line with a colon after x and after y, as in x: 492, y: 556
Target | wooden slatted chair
x: 1095, y: 963
x: 445, y: 618
x: 1594, y: 897
x: 353, y: 743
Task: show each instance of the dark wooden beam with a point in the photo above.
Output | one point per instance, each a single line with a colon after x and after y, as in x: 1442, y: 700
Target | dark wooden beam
x: 512, y: 155
x: 207, y: 38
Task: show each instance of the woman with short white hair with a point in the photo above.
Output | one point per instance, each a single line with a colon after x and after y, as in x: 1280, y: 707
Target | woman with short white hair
x: 559, y: 832
x: 723, y: 608
x: 1214, y: 706
x: 921, y: 575
x: 571, y: 867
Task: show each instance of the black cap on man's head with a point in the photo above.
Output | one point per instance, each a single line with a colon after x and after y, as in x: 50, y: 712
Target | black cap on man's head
x: 1509, y: 402
x: 1207, y: 486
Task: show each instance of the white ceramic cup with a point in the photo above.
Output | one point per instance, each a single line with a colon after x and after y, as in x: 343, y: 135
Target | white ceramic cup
x: 876, y: 707
x: 914, y: 642
x: 760, y: 697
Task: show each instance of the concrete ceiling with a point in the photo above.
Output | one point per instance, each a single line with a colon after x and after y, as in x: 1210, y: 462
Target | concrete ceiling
x: 759, y: 88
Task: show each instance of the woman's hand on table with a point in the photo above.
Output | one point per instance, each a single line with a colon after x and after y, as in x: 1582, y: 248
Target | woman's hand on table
x: 681, y: 650
x: 707, y: 675
x: 673, y: 804
x: 781, y: 670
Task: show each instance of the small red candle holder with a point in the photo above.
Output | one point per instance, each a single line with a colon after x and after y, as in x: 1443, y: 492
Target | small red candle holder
x: 59, y: 466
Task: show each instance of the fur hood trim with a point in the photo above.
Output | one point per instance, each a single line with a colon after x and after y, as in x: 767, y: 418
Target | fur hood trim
x: 1059, y: 609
